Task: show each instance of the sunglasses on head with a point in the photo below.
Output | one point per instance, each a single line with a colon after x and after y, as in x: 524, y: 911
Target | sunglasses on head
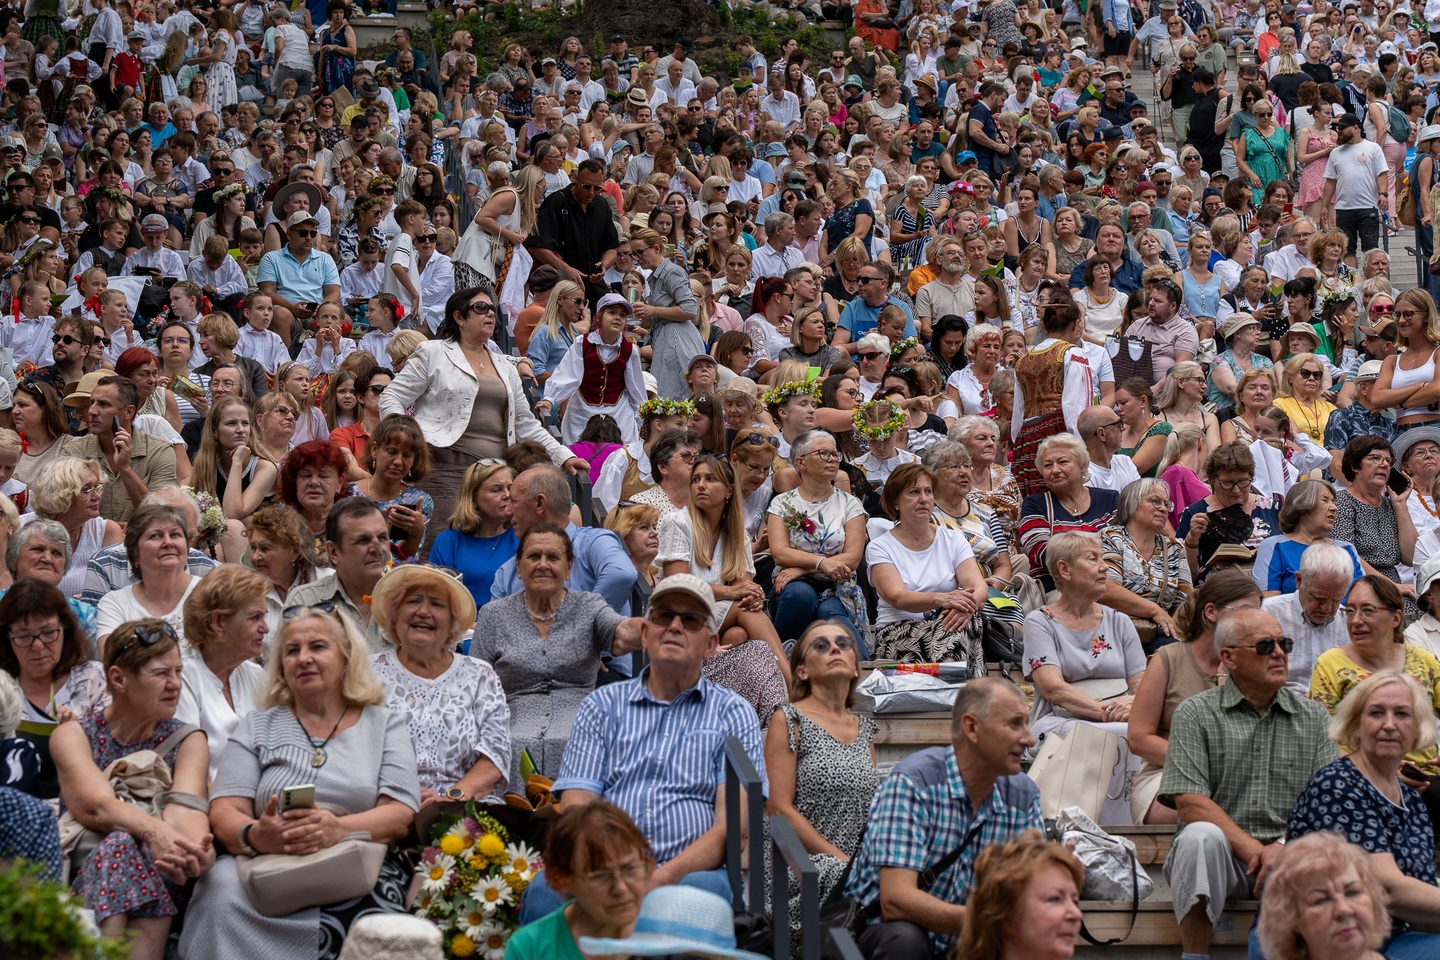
x: 148, y: 636
x: 328, y: 606
x: 758, y: 440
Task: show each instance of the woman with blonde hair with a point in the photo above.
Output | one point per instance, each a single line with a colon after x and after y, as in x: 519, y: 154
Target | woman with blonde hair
x: 1324, y: 901
x: 1300, y: 395
x: 1408, y: 381
x: 1185, y: 451
x: 556, y: 330
x: 638, y: 525
x: 507, y: 218
x: 229, y: 444
x: 1254, y: 392
x: 1025, y: 902
x: 1181, y: 399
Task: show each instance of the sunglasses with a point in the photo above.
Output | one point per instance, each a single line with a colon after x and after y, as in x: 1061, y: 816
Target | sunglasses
x: 480, y: 307
x: 427, y: 238
x: 171, y: 341
x: 66, y: 339
x: 1311, y: 374
x: 148, y: 636
x: 661, y: 617
x: 823, y: 645
x: 1263, y: 648
x: 757, y: 440
x: 1382, y: 308
x: 869, y: 355
x: 304, y: 233
x: 329, y: 606
x: 103, y: 341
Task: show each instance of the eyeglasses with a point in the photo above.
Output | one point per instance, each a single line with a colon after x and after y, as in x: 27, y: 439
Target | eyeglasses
x: 869, y: 355
x: 1234, y: 486
x: 823, y: 645
x: 481, y: 307
x: 630, y: 874
x: 1378, y: 460
x: 826, y: 455
x: 1407, y: 314
x: 1265, y: 647
x: 1311, y: 374
x: 661, y: 617
x: 1367, y: 612
x: 182, y: 341
x: 427, y: 238
x: 44, y: 636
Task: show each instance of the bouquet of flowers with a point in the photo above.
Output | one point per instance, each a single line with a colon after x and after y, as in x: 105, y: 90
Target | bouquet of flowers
x: 472, y: 877
x: 212, y: 518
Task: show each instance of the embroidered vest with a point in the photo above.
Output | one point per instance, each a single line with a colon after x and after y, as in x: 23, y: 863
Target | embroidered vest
x: 1042, y: 379
x: 602, y: 383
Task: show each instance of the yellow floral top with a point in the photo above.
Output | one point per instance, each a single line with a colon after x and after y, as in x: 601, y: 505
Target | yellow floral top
x: 1335, y: 674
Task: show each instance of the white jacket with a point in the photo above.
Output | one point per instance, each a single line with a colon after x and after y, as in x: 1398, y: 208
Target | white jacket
x: 439, y: 381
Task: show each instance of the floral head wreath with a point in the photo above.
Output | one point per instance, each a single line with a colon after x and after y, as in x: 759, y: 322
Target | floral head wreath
x: 665, y: 407
x: 904, y: 345
x: 367, y: 203
x: 1329, y: 295
x: 380, y: 181
x: 37, y: 250
x: 775, y: 396
x: 113, y: 193
x: 228, y: 191
x: 884, y: 431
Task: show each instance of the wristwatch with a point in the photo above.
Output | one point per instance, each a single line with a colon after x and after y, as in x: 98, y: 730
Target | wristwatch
x: 454, y: 793
x: 245, y: 846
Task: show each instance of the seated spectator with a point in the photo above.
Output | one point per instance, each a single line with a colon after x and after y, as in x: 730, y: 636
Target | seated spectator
x: 109, y: 570
x: 958, y: 799
x: 1175, y: 673
x: 225, y: 632
x: 670, y: 461
x: 1102, y: 430
x: 68, y: 490
x: 131, y: 878
x: 1425, y: 632
x: 1325, y: 891
x: 624, y: 476
x: 880, y: 424
x: 1067, y: 503
x: 1373, y: 518
x: 397, y: 458
x: 357, y: 546
x: 132, y: 462
x: 707, y: 540
x: 312, y: 480
x: 1369, y: 796
x: 992, y: 483
x: 1254, y: 392
x: 953, y: 470
x: 1311, y: 615
x: 930, y: 587
x: 1363, y: 416
x: 817, y: 538
x: 1146, y: 566
x: 588, y: 849
x: 1233, y: 513
x: 541, y: 494
x: 453, y: 705
x: 20, y: 760
x: 480, y: 537
x: 1306, y: 519
x: 28, y: 832
x: 612, y: 746
x: 544, y: 644
x: 1025, y: 902
x: 156, y: 547
x: 1145, y: 433
x: 1185, y: 451
x: 969, y: 386
x: 1238, y: 757
x: 638, y: 527
x: 320, y: 719
x: 284, y: 554
x: 819, y: 756
x: 40, y: 550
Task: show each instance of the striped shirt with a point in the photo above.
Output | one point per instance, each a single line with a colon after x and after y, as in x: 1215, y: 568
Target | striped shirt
x: 1042, y: 516
x: 660, y: 762
x: 922, y: 812
x: 109, y: 570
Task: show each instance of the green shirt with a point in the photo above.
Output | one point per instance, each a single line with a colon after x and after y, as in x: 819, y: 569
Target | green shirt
x: 548, y: 938
x: 1252, y: 766
x: 948, y: 68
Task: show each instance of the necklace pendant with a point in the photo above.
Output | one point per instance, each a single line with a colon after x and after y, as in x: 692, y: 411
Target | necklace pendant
x: 319, y: 759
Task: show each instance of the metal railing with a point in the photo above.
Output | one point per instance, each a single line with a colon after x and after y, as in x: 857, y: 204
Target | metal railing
x: 581, y: 496
x: 739, y: 771
x: 844, y: 944
x: 788, y: 855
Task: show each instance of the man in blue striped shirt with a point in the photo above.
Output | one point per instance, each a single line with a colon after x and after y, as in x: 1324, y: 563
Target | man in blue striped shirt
x: 967, y: 795
x: 654, y: 746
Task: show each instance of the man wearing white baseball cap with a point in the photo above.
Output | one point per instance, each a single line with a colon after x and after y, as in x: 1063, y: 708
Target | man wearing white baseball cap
x: 654, y: 746
x: 1358, y: 419
x: 1425, y: 632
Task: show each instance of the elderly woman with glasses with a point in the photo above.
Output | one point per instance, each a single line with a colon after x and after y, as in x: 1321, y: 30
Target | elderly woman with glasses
x: 1230, y: 468
x: 133, y: 875
x: 321, y: 718
x: 545, y: 645
x: 1149, y: 577
x: 1372, y: 517
x: 67, y: 490
x: 670, y: 461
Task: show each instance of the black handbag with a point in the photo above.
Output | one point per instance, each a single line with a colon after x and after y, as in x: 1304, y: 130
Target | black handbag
x: 842, y: 911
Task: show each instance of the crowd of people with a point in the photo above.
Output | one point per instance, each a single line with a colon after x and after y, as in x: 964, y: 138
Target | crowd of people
x: 941, y: 351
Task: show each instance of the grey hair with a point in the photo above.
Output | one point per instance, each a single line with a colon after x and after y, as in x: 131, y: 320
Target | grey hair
x: 1229, y: 631
x: 168, y: 495
x: 979, y: 332
x: 1133, y: 494
x: 911, y: 181
x: 1066, y: 547
x: 963, y: 429
x: 549, y: 482
x: 806, y: 442
x: 52, y: 530
x: 182, y: 103
x: 392, y: 155
x: 12, y: 704
x: 778, y: 220
x: 943, y: 452
x: 296, y: 168
x: 1071, y: 444
x: 1003, y: 381
x: 1369, y: 255
x: 1327, y: 561
x: 875, y: 341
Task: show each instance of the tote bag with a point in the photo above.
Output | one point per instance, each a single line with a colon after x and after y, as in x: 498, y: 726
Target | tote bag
x: 1074, y: 769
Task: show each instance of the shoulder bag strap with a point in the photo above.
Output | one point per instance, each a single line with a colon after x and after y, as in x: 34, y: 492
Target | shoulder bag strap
x: 173, y: 741
x: 928, y: 877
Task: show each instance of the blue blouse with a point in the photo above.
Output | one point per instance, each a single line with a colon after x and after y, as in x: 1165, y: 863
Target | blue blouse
x: 1339, y: 798
x: 546, y: 353
x: 477, y: 558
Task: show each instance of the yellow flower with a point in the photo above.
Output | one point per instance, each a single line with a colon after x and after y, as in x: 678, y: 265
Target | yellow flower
x: 477, y: 863
x: 452, y: 845
x: 462, y: 946
x: 491, y: 846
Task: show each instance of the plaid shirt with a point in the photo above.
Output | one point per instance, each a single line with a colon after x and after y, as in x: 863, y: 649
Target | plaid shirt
x: 1252, y: 766
x: 1353, y: 421
x: 923, y: 811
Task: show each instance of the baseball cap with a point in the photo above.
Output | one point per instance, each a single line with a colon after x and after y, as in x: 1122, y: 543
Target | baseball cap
x: 688, y: 585
x: 966, y: 156
x: 135, y: 35
x: 701, y: 358
x: 299, y: 217
x: 1346, y: 120
x: 154, y: 222
x: 614, y: 300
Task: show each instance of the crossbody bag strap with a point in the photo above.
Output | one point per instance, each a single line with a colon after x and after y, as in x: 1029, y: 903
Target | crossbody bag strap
x: 173, y: 741
x: 928, y: 877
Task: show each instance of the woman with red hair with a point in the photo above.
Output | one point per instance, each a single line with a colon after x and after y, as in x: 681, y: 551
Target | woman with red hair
x: 312, y: 480
x: 142, y: 368
x: 768, y: 327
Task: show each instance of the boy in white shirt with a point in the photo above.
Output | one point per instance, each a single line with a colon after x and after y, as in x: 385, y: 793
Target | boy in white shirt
x: 361, y: 280
x: 383, y: 322
x: 27, y: 331
x: 218, y: 274
x: 323, y: 353
x: 400, y: 260
x: 257, y: 340
x: 154, y: 255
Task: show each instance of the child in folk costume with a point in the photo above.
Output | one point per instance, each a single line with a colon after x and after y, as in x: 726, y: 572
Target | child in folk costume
x: 1053, y: 385
x: 600, y: 373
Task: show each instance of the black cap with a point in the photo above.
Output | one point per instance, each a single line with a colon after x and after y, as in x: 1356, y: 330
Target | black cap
x: 952, y: 42
x: 1346, y: 120
x: 617, y: 38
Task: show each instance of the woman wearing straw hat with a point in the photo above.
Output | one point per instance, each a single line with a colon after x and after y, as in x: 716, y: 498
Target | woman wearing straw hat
x: 453, y: 705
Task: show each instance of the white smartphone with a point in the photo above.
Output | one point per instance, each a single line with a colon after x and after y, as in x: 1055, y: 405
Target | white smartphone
x: 299, y: 797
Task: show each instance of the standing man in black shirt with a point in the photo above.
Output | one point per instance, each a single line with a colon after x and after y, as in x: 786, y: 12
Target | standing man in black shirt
x: 1202, y: 120
x: 574, y: 232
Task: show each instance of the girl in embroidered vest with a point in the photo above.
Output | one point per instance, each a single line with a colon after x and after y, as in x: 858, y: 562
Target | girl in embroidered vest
x: 600, y: 373
x: 1053, y: 384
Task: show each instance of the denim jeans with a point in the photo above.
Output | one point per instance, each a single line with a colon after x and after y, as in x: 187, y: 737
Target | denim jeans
x: 798, y: 606
x: 539, y: 900
x: 304, y: 80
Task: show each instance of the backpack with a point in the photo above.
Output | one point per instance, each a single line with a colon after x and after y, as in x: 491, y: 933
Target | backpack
x: 1399, y: 124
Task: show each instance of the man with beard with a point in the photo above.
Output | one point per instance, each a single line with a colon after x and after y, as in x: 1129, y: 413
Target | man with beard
x: 1357, y: 182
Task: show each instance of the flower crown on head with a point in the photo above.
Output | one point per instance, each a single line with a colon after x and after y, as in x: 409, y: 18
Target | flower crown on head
x: 113, y: 193
x: 665, y: 407
x: 367, y: 203
x: 1328, y: 295
x: 883, y: 431
x: 778, y: 395
x: 37, y: 250
x: 228, y: 191
x: 381, y: 181
x: 904, y: 345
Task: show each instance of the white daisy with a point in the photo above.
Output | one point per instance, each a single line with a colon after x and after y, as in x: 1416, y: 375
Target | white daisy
x: 472, y: 918
x: 519, y: 856
x: 492, y: 892
x: 492, y: 940
x: 438, y: 874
